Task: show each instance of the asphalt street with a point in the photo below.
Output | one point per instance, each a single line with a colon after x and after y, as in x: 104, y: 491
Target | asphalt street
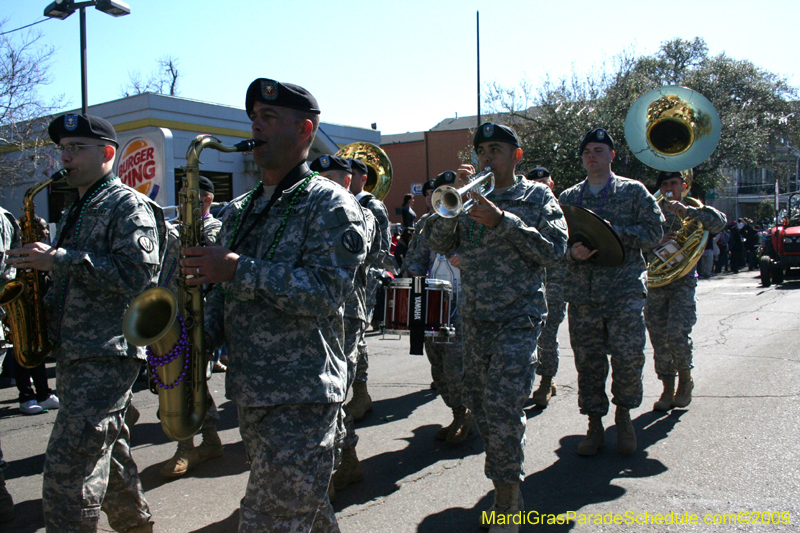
x: 733, y: 451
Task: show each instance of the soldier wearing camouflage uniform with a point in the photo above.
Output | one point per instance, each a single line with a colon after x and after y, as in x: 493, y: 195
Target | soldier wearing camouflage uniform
x: 505, y: 242
x: 9, y: 238
x: 606, y: 304
x: 556, y: 311
x: 186, y: 455
x: 361, y: 402
x: 446, y: 359
x: 671, y: 311
x: 107, y: 250
x: 290, y: 249
x: 349, y: 469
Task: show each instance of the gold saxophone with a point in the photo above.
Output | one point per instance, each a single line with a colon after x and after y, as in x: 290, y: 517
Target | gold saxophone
x: 172, y: 326
x: 23, y: 296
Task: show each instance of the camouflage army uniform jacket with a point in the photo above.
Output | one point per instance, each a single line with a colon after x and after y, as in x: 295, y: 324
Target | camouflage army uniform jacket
x: 712, y: 220
x: 502, y: 268
x: 356, y: 304
x: 418, y: 255
x: 109, y: 255
x: 378, y: 209
x: 10, y: 237
x: 282, y: 318
x: 634, y: 214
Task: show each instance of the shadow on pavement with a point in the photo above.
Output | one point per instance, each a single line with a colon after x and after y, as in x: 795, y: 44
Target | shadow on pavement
x: 396, y: 408
x: 225, y: 526
x: 29, y: 518
x: 384, y: 471
x: 573, y: 482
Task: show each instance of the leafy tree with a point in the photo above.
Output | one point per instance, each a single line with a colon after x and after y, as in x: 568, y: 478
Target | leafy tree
x: 758, y: 119
x: 163, y: 80
x: 24, y: 115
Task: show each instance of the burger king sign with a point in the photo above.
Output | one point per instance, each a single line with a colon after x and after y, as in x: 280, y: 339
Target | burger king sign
x: 138, y: 166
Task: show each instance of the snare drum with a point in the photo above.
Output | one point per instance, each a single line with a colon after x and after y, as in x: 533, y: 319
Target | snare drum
x: 404, y: 307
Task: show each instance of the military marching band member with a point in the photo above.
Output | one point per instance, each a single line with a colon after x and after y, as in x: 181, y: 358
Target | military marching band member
x: 671, y: 311
x: 556, y: 311
x: 606, y: 304
x: 288, y: 254
x: 9, y: 238
x: 446, y: 359
x: 361, y: 402
x: 349, y: 469
x: 503, y: 307
x: 186, y: 455
x: 107, y: 251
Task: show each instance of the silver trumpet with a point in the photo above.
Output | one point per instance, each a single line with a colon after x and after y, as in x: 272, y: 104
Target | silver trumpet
x: 450, y: 202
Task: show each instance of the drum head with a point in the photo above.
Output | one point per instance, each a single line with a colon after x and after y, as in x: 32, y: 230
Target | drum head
x: 596, y: 234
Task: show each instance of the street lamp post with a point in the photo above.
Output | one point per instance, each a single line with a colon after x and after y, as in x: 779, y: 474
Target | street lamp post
x: 61, y: 9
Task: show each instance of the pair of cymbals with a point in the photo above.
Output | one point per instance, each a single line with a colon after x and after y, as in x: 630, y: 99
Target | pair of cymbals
x: 596, y: 234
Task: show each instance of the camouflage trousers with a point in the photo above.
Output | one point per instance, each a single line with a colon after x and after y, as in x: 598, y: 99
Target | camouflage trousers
x: 363, y: 357
x: 614, y: 328
x: 353, y: 334
x: 499, y: 364
x: 88, y: 464
x: 670, y: 313
x: 447, y: 364
x: 548, y: 340
x: 291, y: 449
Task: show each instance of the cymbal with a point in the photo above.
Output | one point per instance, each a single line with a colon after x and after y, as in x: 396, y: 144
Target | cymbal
x: 596, y: 234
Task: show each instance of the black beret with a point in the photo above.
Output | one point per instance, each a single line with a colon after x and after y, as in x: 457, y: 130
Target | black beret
x: 538, y: 173
x: 596, y: 136
x: 206, y: 185
x: 428, y: 186
x: 663, y: 176
x: 445, y: 178
x: 331, y: 162
x: 82, y: 126
x: 358, y: 166
x: 495, y: 132
x: 280, y: 94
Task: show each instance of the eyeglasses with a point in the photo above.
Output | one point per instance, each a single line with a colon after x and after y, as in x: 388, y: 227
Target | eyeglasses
x: 73, y: 148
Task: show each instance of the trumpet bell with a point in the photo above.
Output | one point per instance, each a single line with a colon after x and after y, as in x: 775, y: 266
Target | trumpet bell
x: 379, y: 168
x: 450, y: 202
x: 672, y: 128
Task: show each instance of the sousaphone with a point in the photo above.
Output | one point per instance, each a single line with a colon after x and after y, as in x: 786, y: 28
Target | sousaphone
x: 673, y: 129
x: 379, y: 168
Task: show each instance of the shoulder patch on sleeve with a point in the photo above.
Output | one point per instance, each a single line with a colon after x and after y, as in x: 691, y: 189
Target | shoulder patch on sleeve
x: 146, y: 244
x: 352, y: 241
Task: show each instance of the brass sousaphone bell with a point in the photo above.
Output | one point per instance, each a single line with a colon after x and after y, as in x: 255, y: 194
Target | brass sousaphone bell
x: 379, y: 168
x: 674, y: 129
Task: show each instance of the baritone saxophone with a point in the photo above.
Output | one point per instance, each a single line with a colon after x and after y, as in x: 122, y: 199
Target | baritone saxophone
x: 23, y: 297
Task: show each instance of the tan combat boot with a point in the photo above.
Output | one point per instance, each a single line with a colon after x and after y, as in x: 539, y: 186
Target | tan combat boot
x: 685, y: 386
x: 211, y: 447
x: 505, y: 511
x: 349, y: 471
x: 547, y: 389
x: 185, y: 459
x: 361, y: 404
x: 665, y: 402
x: 595, y: 437
x: 444, y: 431
x: 461, y: 426
x: 144, y: 528
x: 6, y: 502
x: 626, y: 434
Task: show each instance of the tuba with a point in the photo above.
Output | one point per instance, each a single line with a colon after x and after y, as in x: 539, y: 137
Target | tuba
x: 379, y: 168
x: 171, y: 325
x: 23, y: 297
x: 674, y: 129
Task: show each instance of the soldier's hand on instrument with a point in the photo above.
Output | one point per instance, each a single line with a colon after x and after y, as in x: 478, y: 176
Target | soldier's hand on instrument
x: 36, y: 255
x: 209, y: 264
x: 455, y: 260
x: 580, y: 252
x: 463, y: 173
x: 486, y: 212
x: 676, y: 207
x: 670, y: 236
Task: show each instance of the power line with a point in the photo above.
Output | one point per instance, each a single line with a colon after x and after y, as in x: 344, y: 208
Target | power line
x: 23, y: 27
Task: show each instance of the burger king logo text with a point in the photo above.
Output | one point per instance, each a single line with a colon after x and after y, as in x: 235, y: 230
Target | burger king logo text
x: 137, y: 167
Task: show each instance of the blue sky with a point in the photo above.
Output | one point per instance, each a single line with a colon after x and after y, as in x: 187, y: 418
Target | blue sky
x: 403, y: 65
